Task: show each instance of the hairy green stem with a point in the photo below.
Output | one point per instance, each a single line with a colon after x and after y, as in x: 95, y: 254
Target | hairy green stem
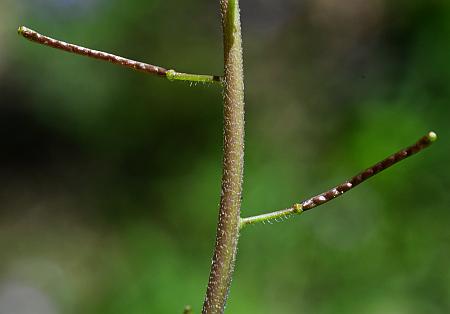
x: 171, y: 75
x: 340, y: 189
x: 233, y: 163
x: 269, y: 217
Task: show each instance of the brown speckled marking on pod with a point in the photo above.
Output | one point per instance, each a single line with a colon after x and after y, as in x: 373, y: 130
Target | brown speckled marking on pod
x: 58, y: 44
x: 327, y: 196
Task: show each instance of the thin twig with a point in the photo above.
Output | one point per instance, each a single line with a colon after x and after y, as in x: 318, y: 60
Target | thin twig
x: 329, y: 195
x: 171, y: 75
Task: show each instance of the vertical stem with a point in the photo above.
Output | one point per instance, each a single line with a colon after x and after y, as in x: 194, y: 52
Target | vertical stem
x: 233, y: 162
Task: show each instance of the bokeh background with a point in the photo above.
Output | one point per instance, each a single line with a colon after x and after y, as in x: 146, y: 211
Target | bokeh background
x: 110, y: 179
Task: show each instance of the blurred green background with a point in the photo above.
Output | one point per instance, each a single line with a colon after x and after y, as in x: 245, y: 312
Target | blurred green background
x: 110, y: 179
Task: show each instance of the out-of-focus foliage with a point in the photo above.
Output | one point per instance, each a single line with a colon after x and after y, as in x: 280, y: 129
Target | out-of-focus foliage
x: 110, y: 178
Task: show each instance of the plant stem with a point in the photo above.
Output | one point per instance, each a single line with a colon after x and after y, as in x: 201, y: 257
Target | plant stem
x: 269, y: 217
x: 340, y: 189
x: 171, y: 75
x: 233, y: 163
